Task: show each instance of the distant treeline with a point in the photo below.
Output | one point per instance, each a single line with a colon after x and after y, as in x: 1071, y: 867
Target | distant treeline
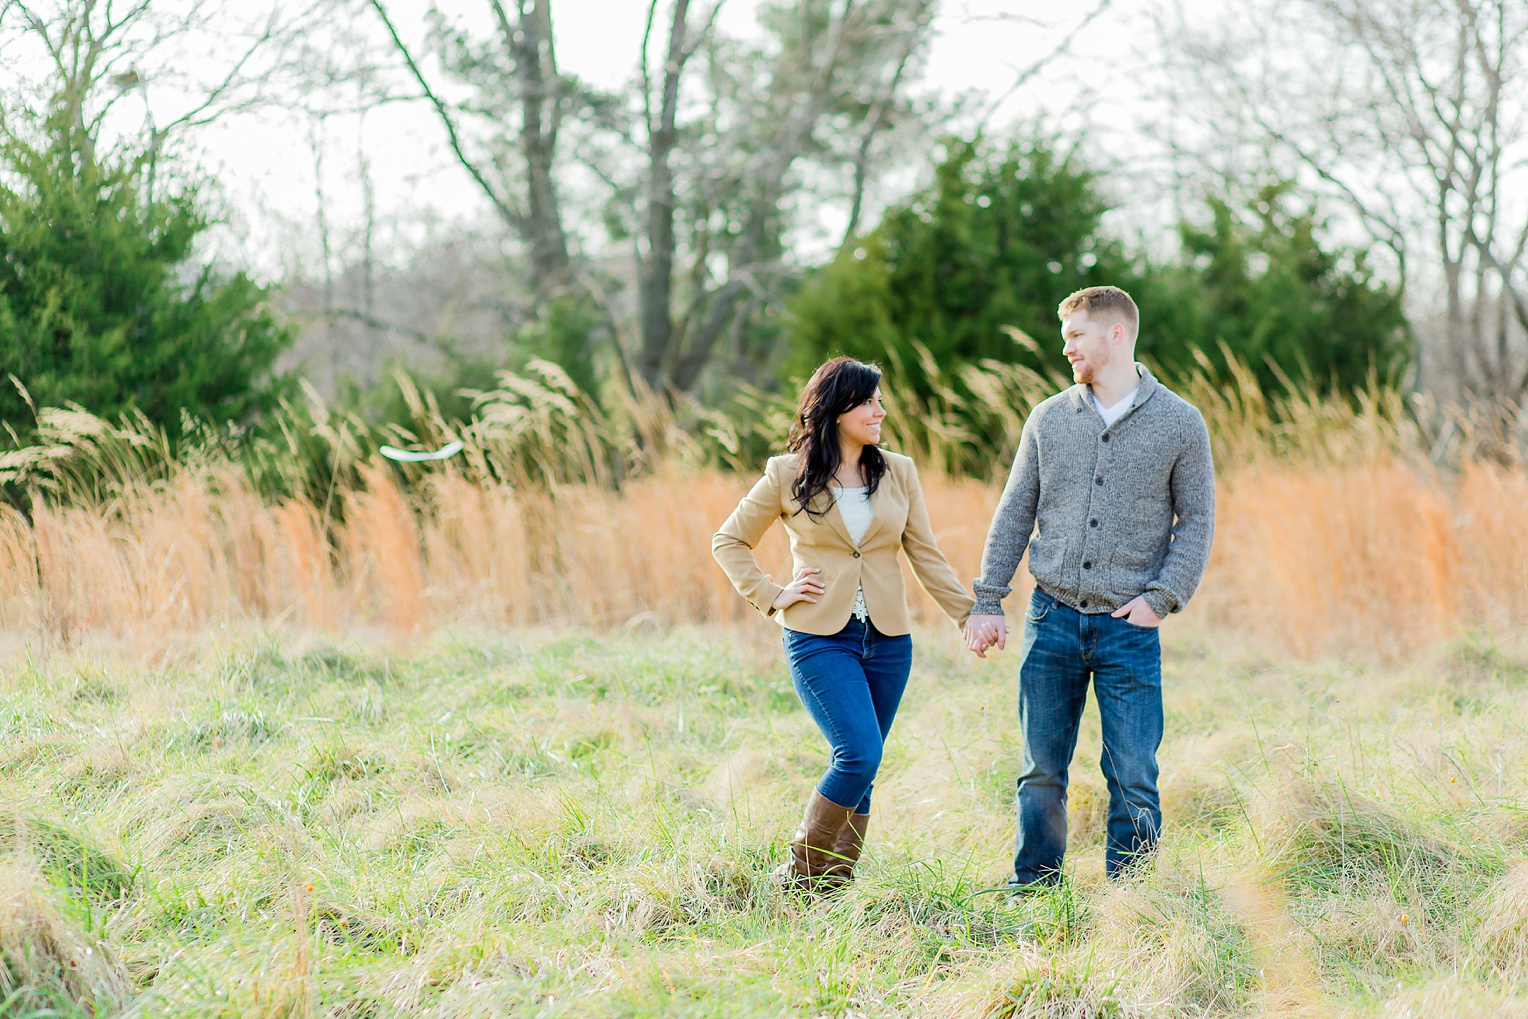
x: 974, y: 268
x: 106, y: 303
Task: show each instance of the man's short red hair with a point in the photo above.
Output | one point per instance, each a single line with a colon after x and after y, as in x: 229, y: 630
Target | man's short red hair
x: 1106, y: 303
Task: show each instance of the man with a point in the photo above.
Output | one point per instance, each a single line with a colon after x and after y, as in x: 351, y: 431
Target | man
x: 1116, y: 473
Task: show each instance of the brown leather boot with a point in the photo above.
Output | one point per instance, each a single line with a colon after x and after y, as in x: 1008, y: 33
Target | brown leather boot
x: 846, y: 852
x: 812, y: 851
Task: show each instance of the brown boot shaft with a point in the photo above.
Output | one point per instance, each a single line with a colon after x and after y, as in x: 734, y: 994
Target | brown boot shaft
x: 813, y: 846
x: 846, y: 852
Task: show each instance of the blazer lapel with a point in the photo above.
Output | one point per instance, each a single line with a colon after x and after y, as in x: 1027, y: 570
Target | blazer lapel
x: 882, y: 510
x: 834, y: 519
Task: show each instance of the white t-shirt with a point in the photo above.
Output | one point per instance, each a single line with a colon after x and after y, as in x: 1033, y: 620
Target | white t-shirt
x: 1114, y: 413
x: 854, y: 506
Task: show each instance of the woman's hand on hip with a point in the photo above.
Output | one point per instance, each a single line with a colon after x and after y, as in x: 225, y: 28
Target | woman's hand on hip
x: 805, y: 587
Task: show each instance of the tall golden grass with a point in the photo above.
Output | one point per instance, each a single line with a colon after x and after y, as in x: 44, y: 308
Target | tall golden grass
x: 1338, y: 529
x: 1312, y: 556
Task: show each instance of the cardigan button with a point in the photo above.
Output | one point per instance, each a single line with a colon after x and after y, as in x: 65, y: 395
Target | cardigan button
x: 856, y: 555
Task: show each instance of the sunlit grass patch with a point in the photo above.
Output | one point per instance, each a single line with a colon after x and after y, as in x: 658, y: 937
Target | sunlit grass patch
x: 1173, y: 939
x: 1059, y: 992
x: 70, y: 858
x: 50, y: 965
x: 574, y: 824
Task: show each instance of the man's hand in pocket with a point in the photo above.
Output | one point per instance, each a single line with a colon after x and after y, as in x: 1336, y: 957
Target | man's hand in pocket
x: 1137, y: 613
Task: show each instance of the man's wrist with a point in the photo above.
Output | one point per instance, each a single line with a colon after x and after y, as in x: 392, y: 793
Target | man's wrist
x: 987, y: 605
x: 1158, y: 601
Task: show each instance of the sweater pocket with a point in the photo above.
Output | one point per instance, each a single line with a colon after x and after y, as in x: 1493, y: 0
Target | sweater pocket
x: 1133, y: 568
x: 1045, y: 556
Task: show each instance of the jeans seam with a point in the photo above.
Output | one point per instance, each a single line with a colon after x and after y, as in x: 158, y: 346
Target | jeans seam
x: 838, y: 736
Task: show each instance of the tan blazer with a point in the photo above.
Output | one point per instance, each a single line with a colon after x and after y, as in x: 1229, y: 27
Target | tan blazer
x: 900, y: 522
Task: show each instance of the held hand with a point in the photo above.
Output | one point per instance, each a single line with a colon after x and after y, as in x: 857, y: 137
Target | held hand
x: 984, y: 631
x: 1138, y: 613
x: 804, y: 588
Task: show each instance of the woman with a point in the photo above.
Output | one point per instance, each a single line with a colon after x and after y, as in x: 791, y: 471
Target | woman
x: 848, y: 506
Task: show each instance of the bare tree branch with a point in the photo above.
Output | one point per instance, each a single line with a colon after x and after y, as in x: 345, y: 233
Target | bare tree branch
x: 647, y: 83
x: 196, y: 115
x: 879, y: 109
x: 511, y: 215
x: 1403, y: 109
x: 369, y: 321
x: 1028, y: 74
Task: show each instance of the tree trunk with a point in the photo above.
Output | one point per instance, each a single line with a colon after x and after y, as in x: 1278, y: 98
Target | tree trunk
x: 882, y: 105
x: 655, y: 288
x: 541, y: 96
x: 536, y: 216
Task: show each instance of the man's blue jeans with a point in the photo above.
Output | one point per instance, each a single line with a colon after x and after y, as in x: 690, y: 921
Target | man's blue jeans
x: 851, y: 684
x: 1063, y: 648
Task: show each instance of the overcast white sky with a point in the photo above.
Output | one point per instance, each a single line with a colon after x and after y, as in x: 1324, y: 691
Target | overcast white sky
x: 265, y: 164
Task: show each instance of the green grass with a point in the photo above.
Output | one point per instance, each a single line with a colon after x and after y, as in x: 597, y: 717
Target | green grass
x: 572, y: 824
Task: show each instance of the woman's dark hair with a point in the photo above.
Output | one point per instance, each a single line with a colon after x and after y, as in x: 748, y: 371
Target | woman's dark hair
x: 837, y: 387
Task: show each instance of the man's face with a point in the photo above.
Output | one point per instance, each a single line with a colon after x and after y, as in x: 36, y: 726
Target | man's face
x: 1091, y: 344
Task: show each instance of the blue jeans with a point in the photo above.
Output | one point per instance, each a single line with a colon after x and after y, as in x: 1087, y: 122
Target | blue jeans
x: 851, y: 684
x: 1063, y: 648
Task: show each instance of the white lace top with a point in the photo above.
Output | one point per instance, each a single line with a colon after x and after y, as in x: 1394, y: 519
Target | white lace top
x: 854, y: 506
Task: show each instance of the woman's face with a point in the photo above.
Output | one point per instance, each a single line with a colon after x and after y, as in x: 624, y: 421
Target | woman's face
x: 862, y: 424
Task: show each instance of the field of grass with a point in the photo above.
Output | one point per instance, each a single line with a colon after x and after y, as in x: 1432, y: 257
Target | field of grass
x: 496, y: 738
x: 568, y: 823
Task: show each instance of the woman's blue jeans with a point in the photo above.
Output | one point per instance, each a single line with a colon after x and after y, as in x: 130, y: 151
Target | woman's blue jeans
x: 1063, y: 648
x: 851, y: 684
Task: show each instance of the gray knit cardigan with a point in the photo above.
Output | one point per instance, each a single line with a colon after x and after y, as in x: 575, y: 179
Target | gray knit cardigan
x: 1122, y: 511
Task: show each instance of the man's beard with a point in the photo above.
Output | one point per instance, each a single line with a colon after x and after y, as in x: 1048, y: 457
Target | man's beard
x: 1089, y: 369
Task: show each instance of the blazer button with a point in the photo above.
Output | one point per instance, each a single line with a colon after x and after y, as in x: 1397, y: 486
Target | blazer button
x: 856, y: 555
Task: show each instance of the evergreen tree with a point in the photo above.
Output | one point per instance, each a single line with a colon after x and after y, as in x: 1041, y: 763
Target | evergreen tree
x: 997, y: 242
x: 103, y: 303
x: 1258, y: 283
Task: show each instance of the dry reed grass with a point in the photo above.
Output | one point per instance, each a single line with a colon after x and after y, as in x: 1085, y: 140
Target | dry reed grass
x: 1311, y: 557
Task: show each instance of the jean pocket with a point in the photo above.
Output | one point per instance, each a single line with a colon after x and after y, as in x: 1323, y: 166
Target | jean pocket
x: 1040, y: 605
